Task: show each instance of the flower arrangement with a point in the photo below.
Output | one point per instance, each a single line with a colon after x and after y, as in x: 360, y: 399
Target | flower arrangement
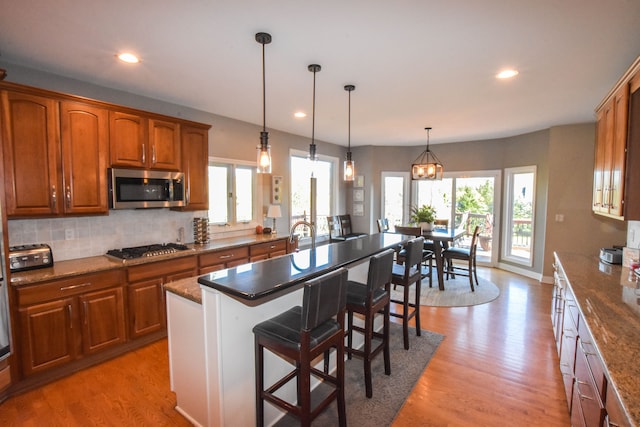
x: 424, y: 213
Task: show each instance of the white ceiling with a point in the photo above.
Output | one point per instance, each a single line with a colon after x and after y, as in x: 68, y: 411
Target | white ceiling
x: 415, y: 63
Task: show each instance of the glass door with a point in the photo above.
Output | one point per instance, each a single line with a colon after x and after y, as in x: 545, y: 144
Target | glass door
x: 395, y: 198
x: 464, y: 200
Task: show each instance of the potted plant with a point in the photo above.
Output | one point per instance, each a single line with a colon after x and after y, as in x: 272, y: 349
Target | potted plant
x: 424, y: 215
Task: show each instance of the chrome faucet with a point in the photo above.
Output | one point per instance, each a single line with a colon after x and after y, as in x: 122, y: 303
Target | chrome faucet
x: 313, y: 233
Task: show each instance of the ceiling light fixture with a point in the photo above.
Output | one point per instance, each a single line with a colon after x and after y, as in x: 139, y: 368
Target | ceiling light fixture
x: 264, y: 149
x: 349, y: 164
x: 314, y: 68
x: 427, y: 165
x: 300, y: 115
x: 129, y: 58
x: 507, y: 74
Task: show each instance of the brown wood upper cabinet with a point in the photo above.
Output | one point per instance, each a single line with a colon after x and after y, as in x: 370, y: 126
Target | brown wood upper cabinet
x: 54, y: 156
x: 195, y: 165
x: 142, y: 142
x: 616, y: 168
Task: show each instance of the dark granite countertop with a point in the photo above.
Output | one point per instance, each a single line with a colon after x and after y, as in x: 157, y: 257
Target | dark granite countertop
x: 257, y: 282
x: 74, y: 267
x: 610, y: 304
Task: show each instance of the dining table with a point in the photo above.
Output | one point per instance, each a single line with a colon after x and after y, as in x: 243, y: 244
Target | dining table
x: 441, y: 237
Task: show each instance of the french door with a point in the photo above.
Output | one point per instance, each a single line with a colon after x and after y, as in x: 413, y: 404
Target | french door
x: 466, y: 199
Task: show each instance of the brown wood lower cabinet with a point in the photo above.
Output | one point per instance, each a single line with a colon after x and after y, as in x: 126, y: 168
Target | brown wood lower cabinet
x: 224, y: 258
x: 267, y: 250
x: 64, y: 320
x: 147, y: 307
x: 591, y: 396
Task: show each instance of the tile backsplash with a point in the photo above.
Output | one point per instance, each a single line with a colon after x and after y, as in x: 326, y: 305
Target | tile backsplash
x: 79, y: 237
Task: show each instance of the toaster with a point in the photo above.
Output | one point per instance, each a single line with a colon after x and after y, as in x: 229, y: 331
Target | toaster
x: 30, y: 257
x: 611, y: 255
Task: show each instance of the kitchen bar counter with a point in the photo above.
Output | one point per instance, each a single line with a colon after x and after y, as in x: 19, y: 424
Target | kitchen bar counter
x: 260, y: 281
x: 211, y: 344
x: 74, y: 267
x: 610, y: 304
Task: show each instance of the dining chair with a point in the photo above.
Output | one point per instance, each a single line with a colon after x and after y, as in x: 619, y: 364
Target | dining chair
x: 406, y: 275
x: 383, y: 225
x: 463, y: 254
x: 299, y: 335
x: 370, y: 299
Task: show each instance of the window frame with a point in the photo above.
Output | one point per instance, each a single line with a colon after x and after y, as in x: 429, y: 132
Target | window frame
x: 232, y: 165
x: 507, y: 228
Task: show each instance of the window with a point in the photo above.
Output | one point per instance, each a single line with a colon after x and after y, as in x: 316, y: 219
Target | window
x: 326, y: 170
x: 395, y: 191
x: 519, y: 209
x: 231, y: 192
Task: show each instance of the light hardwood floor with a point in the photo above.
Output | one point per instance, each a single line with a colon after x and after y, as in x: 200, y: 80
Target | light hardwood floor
x: 497, y: 366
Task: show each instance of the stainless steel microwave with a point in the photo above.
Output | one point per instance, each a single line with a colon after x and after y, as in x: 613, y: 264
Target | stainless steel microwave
x: 140, y: 189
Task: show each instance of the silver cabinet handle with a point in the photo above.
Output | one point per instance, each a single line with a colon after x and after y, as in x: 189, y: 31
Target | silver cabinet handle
x: 226, y: 256
x: 54, y: 196
x: 153, y: 154
x: 81, y: 285
x: 68, y: 196
x: 144, y: 154
x: 69, y: 310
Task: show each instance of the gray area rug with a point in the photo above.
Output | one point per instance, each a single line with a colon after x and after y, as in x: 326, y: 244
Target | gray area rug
x: 389, y: 392
x: 457, y: 292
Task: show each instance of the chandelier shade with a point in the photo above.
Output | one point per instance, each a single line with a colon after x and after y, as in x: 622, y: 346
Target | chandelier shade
x: 349, y: 164
x: 264, y: 149
x: 427, y: 166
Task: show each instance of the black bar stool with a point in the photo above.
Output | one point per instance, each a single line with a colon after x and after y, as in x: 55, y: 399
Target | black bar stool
x: 405, y: 275
x: 369, y: 299
x: 301, y: 334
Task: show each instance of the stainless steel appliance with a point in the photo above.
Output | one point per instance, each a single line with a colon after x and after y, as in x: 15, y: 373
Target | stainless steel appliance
x: 611, y: 255
x: 30, y: 257
x: 139, y: 189
x: 146, y: 251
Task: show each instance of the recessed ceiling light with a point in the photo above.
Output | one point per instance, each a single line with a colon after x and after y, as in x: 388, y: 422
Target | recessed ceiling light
x: 300, y: 115
x: 129, y: 58
x: 507, y: 74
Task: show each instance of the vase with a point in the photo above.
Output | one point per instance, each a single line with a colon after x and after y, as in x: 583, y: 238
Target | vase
x: 427, y: 226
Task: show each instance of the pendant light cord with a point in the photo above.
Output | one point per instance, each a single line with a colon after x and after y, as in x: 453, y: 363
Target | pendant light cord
x: 264, y: 94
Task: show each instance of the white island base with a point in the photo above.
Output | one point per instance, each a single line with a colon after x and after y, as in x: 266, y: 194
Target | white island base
x: 211, y: 355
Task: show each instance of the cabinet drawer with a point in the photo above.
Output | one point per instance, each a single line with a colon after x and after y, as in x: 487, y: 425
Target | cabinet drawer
x: 594, y: 362
x: 161, y: 268
x: 268, y: 247
x: 57, y: 289
x: 616, y: 415
x: 227, y: 256
x: 586, y: 393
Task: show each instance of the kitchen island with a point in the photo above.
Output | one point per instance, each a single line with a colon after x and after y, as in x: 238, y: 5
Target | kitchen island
x: 211, y: 344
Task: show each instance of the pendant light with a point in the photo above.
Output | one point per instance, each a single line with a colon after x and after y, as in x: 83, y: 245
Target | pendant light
x: 349, y: 164
x: 264, y: 149
x: 427, y: 165
x: 314, y: 68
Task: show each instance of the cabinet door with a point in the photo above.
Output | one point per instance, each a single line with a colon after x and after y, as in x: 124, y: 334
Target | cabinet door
x: 30, y: 134
x: 195, y: 158
x: 146, y: 307
x: 599, y: 167
x: 164, y: 145
x: 102, y: 319
x: 619, y: 144
x: 85, y: 142
x: 48, y: 337
x: 127, y: 137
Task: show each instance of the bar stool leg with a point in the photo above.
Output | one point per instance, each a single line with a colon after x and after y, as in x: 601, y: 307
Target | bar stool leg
x: 342, y: 412
x: 368, y: 327
x: 349, y: 333
x: 259, y: 362
x: 417, y: 307
x: 405, y: 317
x: 385, y: 332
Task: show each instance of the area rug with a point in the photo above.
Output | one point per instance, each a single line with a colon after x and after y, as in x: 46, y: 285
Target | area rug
x: 457, y: 292
x: 389, y: 392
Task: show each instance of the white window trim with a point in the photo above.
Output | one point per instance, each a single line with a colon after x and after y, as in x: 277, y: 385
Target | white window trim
x: 508, y: 210
x: 257, y: 199
x: 335, y: 161
x: 406, y: 200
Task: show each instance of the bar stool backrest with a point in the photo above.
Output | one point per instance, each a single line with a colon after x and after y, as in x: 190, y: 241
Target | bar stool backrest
x: 414, y: 252
x: 323, y: 298
x: 380, y: 268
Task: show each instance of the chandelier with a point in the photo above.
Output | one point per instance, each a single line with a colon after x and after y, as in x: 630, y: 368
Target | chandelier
x: 427, y: 165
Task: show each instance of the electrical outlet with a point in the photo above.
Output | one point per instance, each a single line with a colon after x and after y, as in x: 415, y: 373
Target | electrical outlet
x: 559, y: 218
x: 69, y: 234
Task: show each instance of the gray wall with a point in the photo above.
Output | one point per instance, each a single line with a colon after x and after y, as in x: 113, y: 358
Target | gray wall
x: 563, y: 155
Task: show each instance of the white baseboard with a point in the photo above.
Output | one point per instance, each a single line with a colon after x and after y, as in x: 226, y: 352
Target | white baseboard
x: 521, y: 271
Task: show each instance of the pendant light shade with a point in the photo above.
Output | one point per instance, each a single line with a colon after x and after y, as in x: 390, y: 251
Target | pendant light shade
x: 427, y: 165
x: 264, y: 149
x: 349, y: 164
x: 314, y: 68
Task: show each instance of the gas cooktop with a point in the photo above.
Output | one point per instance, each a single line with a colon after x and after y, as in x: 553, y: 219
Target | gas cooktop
x: 146, y: 251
